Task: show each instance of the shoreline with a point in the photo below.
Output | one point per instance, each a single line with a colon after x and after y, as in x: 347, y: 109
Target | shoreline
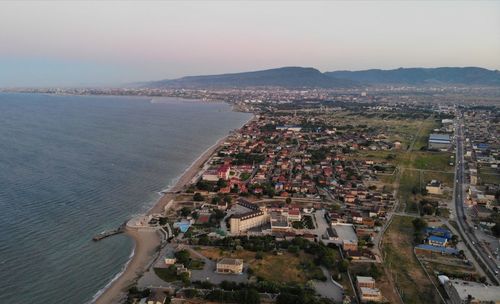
x: 147, y: 244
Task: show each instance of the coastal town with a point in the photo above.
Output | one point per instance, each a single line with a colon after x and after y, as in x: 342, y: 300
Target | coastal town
x: 357, y: 200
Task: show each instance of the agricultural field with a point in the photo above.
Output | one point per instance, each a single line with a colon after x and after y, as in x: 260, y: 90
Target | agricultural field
x: 410, y: 279
x: 489, y: 175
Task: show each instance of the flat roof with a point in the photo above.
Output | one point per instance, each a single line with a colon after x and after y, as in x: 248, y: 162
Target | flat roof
x: 229, y: 261
x: 436, y: 136
x: 370, y: 291
x: 363, y: 279
x: 478, y: 291
x: 437, y: 249
x: 345, y: 232
x: 436, y: 238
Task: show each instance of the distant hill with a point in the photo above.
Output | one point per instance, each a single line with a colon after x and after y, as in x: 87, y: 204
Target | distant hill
x: 423, y: 76
x: 287, y: 77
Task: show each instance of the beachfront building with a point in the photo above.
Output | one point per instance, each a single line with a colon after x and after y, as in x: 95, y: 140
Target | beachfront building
x: 210, y: 175
x: 156, y: 297
x: 247, y: 216
x: 240, y: 223
x: 368, y: 292
x: 230, y: 266
x: 170, y: 260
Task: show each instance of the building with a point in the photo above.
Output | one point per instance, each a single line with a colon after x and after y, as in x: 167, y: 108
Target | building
x: 223, y: 172
x: 241, y: 223
x: 170, y: 260
x: 156, y: 297
x: 466, y: 292
x: 344, y: 235
x: 439, y: 231
x: 210, y: 175
x: 437, y: 241
x: 230, y: 266
x: 279, y: 222
x: 439, y: 142
x: 429, y: 250
x: 434, y: 187
x: 368, y: 292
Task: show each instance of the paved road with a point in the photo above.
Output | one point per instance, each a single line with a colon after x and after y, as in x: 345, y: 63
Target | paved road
x: 328, y: 289
x: 464, y: 227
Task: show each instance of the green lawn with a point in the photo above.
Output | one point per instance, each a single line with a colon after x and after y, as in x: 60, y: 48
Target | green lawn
x: 167, y: 274
x: 438, y: 161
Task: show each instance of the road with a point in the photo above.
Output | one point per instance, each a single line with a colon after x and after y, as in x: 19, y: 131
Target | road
x: 469, y: 237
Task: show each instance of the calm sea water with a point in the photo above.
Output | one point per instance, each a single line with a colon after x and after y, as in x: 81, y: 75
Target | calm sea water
x: 73, y: 166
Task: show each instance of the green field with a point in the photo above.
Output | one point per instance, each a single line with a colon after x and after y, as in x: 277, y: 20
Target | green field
x: 423, y: 135
x: 411, y: 281
x: 489, y: 175
x: 437, y: 161
x: 410, y: 180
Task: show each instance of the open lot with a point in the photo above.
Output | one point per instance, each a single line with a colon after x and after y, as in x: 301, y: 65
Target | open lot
x: 286, y: 267
x: 489, y: 175
x: 411, y: 281
x: 409, y: 185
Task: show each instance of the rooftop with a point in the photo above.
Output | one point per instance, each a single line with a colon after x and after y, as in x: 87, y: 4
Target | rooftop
x: 478, y: 291
x: 229, y: 261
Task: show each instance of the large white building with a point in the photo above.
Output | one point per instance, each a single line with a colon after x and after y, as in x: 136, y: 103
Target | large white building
x: 466, y: 292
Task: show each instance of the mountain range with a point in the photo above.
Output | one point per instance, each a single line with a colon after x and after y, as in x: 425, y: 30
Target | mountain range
x: 301, y: 77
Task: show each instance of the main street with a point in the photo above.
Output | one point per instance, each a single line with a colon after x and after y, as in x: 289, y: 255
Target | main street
x: 469, y: 238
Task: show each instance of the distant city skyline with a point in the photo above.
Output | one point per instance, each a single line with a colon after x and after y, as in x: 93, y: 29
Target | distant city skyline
x: 55, y: 43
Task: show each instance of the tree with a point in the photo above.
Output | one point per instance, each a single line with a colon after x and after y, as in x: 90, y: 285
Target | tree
x: 215, y: 200
x: 496, y: 230
x: 197, y: 197
x: 293, y: 249
x: 221, y: 183
x: 227, y: 199
x: 288, y: 201
x: 375, y: 272
x: 343, y: 265
x: 185, y: 211
x: 185, y: 279
x: 183, y: 257
x: 419, y: 224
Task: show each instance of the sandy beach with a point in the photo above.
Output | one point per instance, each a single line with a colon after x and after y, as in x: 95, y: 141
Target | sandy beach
x: 146, y: 243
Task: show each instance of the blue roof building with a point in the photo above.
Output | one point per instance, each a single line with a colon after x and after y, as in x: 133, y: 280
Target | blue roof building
x: 435, y: 249
x: 438, y: 231
x: 437, y: 241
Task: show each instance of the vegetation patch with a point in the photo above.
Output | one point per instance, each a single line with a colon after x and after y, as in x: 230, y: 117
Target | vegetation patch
x: 410, y: 279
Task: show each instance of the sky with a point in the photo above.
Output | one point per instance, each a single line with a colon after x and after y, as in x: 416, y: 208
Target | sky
x: 87, y: 43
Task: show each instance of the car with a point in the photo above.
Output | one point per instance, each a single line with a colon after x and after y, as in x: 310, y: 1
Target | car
x: 496, y: 272
x: 489, y: 257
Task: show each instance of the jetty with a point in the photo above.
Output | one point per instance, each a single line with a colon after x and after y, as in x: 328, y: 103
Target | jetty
x: 109, y: 233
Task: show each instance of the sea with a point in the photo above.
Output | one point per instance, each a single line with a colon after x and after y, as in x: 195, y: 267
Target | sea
x: 74, y: 166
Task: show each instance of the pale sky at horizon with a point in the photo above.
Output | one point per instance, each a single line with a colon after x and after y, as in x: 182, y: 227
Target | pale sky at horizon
x: 44, y: 43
